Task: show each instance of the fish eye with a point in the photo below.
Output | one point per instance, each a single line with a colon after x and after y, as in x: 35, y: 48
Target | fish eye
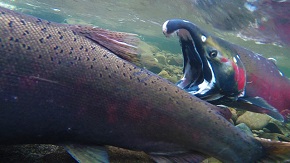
x: 213, y: 53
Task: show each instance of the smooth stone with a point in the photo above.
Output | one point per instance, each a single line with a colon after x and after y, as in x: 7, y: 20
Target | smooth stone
x: 245, y: 128
x: 255, y: 121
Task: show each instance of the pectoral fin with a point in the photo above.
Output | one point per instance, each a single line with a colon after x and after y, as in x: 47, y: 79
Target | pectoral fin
x: 259, y: 105
x: 88, y: 154
x: 254, y: 104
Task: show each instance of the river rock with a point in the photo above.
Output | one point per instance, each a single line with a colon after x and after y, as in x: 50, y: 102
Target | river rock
x: 164, y: 74
x: 274, y: 136
x: 175, y: 60
x: 245, y: 128
x: 161, y: 58
x: 255, y: 121
x: 275, y: 126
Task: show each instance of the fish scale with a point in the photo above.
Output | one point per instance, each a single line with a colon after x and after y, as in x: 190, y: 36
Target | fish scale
x: 60, y: 86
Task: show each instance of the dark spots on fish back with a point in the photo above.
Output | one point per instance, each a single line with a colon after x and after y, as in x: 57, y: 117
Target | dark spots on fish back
x: 44, y: 29
x: 23, y: 22
x: 105, y: 56
x: 49, y: 36
x: 38, y: 20
x: 27, y: 47
x: 10, y: 24
x: 26, y: 32
x: 60, y: 33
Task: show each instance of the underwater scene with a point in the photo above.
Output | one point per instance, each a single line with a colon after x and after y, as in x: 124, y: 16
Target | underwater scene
x: 145, y: 81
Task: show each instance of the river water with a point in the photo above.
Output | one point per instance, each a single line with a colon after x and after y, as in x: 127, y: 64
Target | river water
x: 145, y: 17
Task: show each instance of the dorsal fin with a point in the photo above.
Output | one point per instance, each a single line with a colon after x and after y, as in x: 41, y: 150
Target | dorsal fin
x: 120, y: 43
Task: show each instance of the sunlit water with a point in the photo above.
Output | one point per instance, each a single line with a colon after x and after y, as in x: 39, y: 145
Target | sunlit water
x: 144, y: 17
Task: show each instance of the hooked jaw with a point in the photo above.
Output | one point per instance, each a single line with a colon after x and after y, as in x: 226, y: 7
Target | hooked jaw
x: 198, y: 76
x: 213, y: 70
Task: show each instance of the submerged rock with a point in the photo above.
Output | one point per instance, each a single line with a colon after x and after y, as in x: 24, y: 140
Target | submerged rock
x: 175, y: 60
x: 164, y: 74
x: 34, y: 153
x: 160, y: 62
x: 254, y: 121
x: 274, y: 136
x: 161, y: 58
x: 245, y: 128
x: 275, y: 126
x: 39, y: 153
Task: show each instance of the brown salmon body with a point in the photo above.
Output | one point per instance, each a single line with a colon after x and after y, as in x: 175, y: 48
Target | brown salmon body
x: 58, y: 86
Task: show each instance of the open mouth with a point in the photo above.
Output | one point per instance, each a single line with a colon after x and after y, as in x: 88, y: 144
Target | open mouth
x: 192, y: 62
x: 198, y: 76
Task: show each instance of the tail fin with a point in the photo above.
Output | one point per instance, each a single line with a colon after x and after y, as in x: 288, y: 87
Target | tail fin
x: 276, y: 151
x: 120, y: 43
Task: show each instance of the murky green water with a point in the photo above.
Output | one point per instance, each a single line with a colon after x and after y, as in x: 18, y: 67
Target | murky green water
x: 144, y: 17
